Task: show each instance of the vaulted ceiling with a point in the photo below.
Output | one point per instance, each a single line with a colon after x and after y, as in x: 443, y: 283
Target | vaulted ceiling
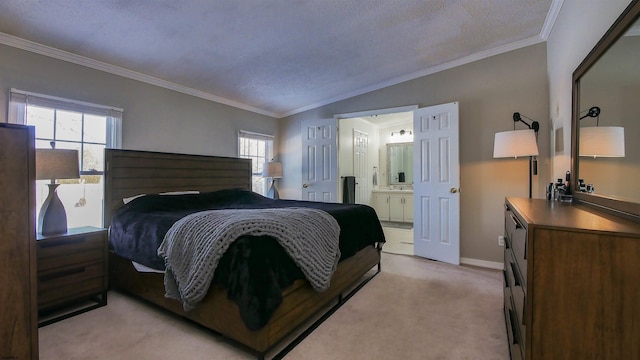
x: 275, y: 57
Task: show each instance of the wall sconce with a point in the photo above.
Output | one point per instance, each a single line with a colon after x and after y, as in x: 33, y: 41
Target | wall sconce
x: 518, y: 143
x: 272, y: 170
x: 600, y: 141
x: 52, y: 164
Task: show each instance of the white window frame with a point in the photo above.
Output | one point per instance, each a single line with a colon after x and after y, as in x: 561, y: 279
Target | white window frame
x: 20, y: 100
x: 257, y: 169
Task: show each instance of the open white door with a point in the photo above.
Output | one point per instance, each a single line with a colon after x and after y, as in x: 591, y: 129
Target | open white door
x: 319, y: 160
x: 437, y: 183
x: 360, y: 166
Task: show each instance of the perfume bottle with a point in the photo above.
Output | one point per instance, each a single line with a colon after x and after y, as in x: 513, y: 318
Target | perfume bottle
x: 551, y: 191
x: 582, y: 187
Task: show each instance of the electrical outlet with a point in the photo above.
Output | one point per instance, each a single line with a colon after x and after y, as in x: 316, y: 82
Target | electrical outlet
x: 500, y: 240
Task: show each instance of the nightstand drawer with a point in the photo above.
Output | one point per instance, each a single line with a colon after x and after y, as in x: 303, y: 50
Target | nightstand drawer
x: 68, y: 290
x: 67, y: 251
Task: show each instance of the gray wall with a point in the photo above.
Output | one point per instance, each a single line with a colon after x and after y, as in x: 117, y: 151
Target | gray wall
x: 489, y: 92
x: 154, y: 118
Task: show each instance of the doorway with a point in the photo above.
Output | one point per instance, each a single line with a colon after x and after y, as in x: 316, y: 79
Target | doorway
x: 364, y: 145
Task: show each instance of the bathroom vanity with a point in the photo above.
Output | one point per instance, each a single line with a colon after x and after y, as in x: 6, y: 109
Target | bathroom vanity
x: 393, y: 205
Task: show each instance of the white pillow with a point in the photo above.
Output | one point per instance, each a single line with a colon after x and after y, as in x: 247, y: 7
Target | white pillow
x: 128, y: 199
x: 180, y: 192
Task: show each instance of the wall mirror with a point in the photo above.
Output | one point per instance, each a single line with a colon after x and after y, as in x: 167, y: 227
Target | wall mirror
x: 400, y: 163
x: 609, y: 78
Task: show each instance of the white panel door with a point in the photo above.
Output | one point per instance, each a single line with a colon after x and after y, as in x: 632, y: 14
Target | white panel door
x: 437, y: 183
x: 319, y: 160
x: 360, y: 160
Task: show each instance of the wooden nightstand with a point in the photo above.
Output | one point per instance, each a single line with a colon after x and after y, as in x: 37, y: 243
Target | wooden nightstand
x: 72, y: 273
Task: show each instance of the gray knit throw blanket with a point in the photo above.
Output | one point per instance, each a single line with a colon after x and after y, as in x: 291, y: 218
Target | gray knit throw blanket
x: 194, y: 245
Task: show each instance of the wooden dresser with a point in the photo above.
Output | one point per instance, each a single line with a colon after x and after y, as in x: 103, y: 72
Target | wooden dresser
x: 18, y: 312
x: 571, y: 282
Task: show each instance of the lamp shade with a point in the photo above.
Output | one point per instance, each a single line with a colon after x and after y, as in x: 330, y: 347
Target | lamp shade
x: 272, y: 170
x: 602, y: 141
x: 515, y: 143
x: 54, y: 164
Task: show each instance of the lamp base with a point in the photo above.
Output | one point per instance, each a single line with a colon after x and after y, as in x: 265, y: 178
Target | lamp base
x: 53, y: 218
x: 273, y: 191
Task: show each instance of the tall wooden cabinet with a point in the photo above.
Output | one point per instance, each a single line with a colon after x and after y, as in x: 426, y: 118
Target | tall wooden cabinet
x: 18, y: 305
x: 572, y: 282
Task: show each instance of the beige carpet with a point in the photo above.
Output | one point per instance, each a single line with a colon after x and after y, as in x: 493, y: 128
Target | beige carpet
x: 414, y: 309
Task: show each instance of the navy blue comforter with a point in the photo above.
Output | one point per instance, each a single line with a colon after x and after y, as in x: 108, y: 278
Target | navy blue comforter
x: 255, y: 269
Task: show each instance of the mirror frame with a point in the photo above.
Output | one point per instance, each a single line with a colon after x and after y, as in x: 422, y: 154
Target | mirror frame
x: 610, y: 203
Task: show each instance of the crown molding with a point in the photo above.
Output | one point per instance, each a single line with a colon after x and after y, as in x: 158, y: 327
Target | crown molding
x: 428, y: 71
x: 37, y: 48
x: 552, y: 16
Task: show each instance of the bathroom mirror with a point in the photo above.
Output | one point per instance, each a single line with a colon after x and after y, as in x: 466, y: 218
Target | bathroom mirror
x: 609, y: 77
x: 400, y: 163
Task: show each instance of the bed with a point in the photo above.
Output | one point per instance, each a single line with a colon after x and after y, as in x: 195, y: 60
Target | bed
x: 130, y: 173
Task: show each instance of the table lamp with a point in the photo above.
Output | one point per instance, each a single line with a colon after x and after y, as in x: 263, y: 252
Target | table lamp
x: 52, y: 164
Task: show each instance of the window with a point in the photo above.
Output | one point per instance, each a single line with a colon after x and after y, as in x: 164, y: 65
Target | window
x: 258, y: 148
x: 70, y: 124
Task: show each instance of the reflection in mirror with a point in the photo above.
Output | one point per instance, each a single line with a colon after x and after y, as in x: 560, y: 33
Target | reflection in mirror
x: 400, y: 163
x: 612, y: 84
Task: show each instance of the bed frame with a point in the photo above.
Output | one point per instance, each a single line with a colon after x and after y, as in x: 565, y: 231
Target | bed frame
x: 130, y: 173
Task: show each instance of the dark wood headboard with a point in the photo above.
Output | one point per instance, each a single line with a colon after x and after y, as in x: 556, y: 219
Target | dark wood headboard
x: 132, y: 172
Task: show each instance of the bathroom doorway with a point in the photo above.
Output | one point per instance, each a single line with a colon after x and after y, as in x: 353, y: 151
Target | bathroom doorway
x: 384, y: 182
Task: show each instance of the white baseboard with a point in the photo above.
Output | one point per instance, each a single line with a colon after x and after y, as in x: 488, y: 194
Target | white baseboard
x: 482, y: 263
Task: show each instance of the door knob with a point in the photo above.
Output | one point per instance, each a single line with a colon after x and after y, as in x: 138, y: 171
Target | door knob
x: 305, y: 186
x: 454, y: 190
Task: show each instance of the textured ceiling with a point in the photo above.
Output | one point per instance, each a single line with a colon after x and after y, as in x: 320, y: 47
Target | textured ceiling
x: 278, y: 57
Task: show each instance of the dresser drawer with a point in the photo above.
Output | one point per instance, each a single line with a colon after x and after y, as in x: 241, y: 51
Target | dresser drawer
x: 517, y: 238
x: 518, y: 292
x: 513, y: 335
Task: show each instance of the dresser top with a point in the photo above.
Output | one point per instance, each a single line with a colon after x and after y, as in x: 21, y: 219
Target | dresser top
x: 556, y: 214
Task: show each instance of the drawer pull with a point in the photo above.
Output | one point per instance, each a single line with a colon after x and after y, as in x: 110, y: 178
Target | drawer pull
x: 515, y: 221
x: 62, y: 242
x: 61, y: 274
